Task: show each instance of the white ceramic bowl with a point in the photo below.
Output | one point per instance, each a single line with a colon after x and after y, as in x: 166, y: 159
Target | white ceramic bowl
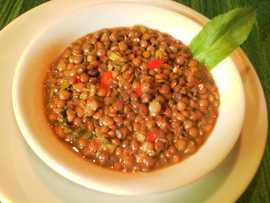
x: 29, y: 109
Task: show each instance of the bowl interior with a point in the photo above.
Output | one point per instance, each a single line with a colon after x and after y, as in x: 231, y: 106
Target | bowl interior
x: 29, y: 109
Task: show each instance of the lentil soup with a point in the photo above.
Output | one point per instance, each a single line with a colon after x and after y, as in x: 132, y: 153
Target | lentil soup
x: 130, y: 99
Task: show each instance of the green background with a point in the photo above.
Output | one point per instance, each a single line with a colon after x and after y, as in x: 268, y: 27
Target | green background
x: 256, y: 47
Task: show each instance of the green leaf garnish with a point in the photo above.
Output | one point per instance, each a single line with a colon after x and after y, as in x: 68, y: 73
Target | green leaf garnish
x: 222, y: 35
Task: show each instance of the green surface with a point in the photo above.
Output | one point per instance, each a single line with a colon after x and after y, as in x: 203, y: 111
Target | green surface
x: 256, y: 47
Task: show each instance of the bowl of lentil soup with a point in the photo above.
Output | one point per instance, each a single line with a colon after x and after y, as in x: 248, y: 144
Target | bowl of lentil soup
x: 120, y: 106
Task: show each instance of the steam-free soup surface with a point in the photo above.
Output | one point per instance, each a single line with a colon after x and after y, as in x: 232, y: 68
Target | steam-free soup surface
x: 130, y: 99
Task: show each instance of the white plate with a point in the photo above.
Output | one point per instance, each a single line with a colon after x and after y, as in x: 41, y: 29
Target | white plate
x: 24, y: 177
x: 39, y: 54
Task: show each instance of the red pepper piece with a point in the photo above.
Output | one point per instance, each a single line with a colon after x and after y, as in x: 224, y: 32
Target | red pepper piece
x: 152, y: 136
x: 101, y: 58
x: 171, y: 41
x: 139, y: 91
x: 155, y: 63
x: 78, y: 78
x: 106, y: 77
x: 197, y: 81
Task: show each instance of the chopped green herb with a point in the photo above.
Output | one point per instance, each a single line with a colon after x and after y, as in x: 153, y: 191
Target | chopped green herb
x: 82, y: 131
x: 104, y: 140
x: 63, y: 113
x: 114, y: 56
x: 86, y: 90
x: 160, y: 54
x: 119, y: 63
x: 67, y: 130
x: 142, y: 28
x: 63, y: 116
x: 89, y: 135
x: 64, y: 85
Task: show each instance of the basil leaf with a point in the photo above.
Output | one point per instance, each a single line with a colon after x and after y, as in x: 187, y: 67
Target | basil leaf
x: 222, y: 35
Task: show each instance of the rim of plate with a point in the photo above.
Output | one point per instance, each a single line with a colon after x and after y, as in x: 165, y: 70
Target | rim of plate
x: 32, y: 143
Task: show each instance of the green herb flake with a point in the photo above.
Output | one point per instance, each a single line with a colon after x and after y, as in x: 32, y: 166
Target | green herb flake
x: 86, y: 90
x: 82, y: 131
x: 85, y: 133
x: 104, y: 140
x: 64, y: 85
x: 63, y: 113
x: 67, y: 130
x: 63, y: 116
x: 222, y: 35
x: 119, y: 63
x: 90, y: 135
